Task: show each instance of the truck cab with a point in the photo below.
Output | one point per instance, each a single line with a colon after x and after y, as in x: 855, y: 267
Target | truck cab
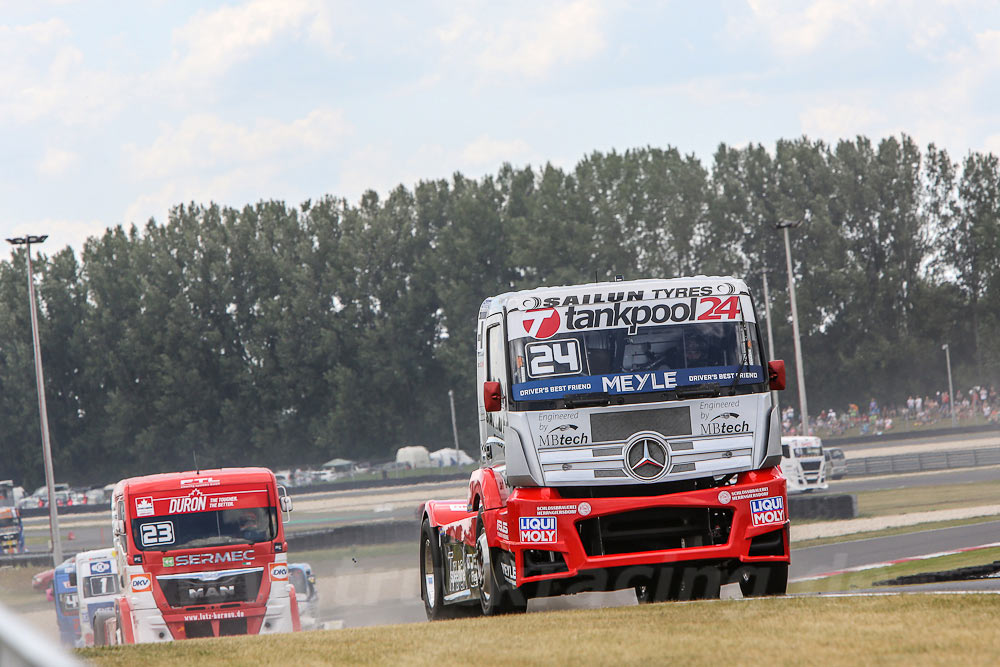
x: 67, y: 603
x: 201, y: 554
x: 803, y: 463
x: 97, y: 586
x: 627, y: 440
x: 11, y: 531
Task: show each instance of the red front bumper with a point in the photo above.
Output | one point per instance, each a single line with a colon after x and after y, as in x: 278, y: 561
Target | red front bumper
x: 553, y: 537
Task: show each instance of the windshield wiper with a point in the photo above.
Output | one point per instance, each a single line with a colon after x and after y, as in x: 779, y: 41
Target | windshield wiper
x: 703, y: 390
x: 587, y: 400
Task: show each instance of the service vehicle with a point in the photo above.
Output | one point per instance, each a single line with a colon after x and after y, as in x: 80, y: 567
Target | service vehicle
x: 64, y: 595
x: 96, y: 589
x: 628, y: 439
x: 803, y: 463
x: 201, y: 554
x: 302, y: 578
x: 836, y: 462
x: 11, y: 531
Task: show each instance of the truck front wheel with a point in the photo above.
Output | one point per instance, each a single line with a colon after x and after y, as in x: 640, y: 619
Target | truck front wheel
x: 762, y: 580
x: 495, y: 596
x: 100, y: 621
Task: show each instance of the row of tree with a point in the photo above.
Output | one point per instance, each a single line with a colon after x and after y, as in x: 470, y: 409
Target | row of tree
x: 282, y: 336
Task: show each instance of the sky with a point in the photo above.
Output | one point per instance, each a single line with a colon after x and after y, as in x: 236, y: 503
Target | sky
x: 111, y: 113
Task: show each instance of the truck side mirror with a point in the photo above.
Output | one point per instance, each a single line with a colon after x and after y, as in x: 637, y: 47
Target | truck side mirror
x: 119, y: 527
x: 286, y: 503
x: 776, y: 374
x: 492, y: 398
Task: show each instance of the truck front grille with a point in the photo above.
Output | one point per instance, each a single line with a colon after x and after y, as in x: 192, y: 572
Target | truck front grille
x: 810, y: 465
x: 201, y: 590
x: 655, y: 529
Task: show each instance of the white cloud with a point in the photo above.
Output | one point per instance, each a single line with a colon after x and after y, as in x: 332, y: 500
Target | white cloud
x: 533, y: 43
x: 45, y: 75
x: 56, y: 162
x: 211, y: 43
x: 205, y: 141
x: 491, y: 153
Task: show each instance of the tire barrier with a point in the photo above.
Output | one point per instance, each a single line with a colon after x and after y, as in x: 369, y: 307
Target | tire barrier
x: 41, y: 558
x: 923, y: 461
x: 63, y: 510
x: 959, y: 574
x: 825, y: 506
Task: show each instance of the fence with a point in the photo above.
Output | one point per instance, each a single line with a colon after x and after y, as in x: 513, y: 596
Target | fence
x: 923, y: 461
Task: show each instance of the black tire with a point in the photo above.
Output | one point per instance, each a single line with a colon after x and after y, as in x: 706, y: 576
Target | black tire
x: 100, y: 620
x: 763, y: 580
x: 496, y: 596
x: 432, y: 589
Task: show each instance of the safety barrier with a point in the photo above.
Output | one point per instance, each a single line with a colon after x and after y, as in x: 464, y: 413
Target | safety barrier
x: 923, y: 461
x: 23, y: 646
x: 824, y: 506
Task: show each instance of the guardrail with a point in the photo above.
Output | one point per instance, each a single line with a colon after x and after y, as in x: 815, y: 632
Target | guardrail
x: 23, y: 646
x: 923, y: 461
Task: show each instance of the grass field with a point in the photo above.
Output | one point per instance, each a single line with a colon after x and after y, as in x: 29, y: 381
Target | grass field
x: 887, y: 502
x: 909, y: 629
x: 865, y: 578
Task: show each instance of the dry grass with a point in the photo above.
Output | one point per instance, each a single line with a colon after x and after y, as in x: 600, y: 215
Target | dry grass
x: 921, y: 629
x: 865, y: 578
x: 923, y: 498
x: 15, y: 587
x: 888, y: 532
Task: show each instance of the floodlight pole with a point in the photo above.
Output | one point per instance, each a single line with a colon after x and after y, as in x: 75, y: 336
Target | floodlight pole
x: 951, y: 390
x: 799, y: 372
x: 454, y: 425
x: 57, y: 558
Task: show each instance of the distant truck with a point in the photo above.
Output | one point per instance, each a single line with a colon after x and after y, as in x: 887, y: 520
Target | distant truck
x: 97, y: 586
x: 627, y: 440
x: 803, y: 463
x: 67, y: 603
x: 301, y: 576
x: 201, y: 554
x: 11, y: 531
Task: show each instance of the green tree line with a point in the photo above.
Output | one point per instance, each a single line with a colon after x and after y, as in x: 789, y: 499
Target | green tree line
x: 282, y: 335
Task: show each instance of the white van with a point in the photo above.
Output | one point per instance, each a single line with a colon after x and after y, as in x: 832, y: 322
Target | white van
x: 803, y: 463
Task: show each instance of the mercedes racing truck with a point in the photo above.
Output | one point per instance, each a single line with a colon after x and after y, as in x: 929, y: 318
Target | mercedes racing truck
x: 627, y: 440
x: 201, y: 554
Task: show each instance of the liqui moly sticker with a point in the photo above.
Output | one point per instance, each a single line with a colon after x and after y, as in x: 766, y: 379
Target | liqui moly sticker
x: 767, y: 510
x: 139, y: 583
x: 279, y: 572
x: 144, y: 506
x: 538, y: 528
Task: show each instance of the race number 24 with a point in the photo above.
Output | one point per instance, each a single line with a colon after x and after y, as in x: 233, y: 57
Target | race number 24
x: 557, y: 357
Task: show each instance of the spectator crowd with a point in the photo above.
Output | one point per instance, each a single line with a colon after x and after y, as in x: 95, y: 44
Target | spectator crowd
x: 978, y: 405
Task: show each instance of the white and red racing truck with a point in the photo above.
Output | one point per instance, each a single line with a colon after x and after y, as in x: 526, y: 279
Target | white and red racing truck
x: 628, y: 440
x: 200, y: 554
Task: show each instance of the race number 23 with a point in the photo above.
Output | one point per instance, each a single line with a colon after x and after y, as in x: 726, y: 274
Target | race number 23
x: 161, y: 532
x: 557, y: 357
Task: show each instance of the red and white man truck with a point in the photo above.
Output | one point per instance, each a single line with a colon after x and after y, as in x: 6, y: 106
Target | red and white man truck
x: 628, y: 439
x: 201, y: 554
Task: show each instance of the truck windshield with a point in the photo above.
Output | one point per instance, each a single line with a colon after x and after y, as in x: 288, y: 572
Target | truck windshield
x: 803, y: 452
x: 8, y: 522
x: 205, y: 529
x: 632, y: 364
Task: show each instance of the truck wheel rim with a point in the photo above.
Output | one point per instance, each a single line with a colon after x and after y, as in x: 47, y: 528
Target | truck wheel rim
x: 485, y: 572
x: 428, y: 574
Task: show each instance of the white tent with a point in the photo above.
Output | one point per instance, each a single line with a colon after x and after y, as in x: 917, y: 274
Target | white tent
x: 415, y: 457
x: 450, y: 457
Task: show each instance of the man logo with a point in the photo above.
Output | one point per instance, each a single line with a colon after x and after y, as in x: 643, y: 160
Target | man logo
x: 541, y: 322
